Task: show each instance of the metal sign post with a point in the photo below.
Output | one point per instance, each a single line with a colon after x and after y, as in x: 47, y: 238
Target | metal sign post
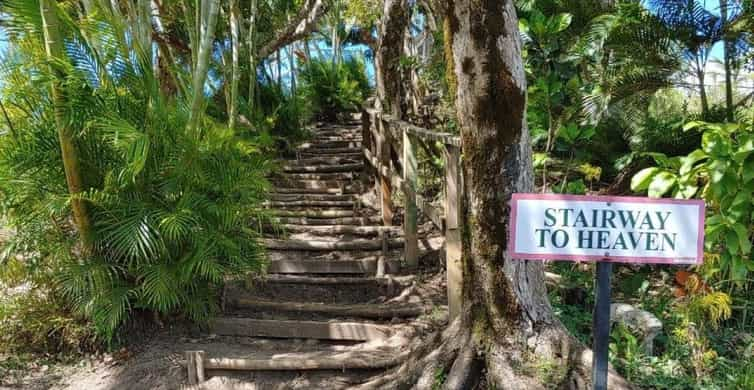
x: 601, y: 325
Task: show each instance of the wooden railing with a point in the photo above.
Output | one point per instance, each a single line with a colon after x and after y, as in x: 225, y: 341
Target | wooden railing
x: 389, y: 146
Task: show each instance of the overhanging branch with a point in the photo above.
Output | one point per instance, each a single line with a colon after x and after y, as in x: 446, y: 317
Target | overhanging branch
x: 297, y: 28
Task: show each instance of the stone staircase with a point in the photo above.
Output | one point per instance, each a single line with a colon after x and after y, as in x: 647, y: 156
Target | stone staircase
x: 336, y: 298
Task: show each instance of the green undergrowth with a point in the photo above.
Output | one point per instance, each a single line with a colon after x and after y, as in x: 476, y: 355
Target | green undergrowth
x: 697, y: 349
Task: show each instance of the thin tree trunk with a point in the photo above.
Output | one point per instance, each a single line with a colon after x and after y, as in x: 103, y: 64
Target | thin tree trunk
x: 55, y: 49
x: 702, y: 93
x: 235, y: 15
x: 727, y: 52
x: 387, y: 61
x: 208, y: 17
x: 279, y: 69
x: 251, y: 44
x: 292, y: 67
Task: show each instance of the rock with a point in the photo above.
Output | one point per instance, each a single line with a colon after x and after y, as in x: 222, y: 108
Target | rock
x: 641, y: 321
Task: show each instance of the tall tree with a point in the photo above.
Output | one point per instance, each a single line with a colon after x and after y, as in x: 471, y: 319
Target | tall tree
x: 206, y: 36
x: 506, y: 320
x: 55, y: 49
x: 387, y: 60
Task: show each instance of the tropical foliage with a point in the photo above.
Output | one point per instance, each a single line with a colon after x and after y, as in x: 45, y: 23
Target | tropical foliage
x: 171, y: 203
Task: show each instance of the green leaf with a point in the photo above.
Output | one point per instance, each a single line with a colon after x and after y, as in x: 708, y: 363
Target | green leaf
x: 641, y: 180
x: 744, y: 150
x: 661, y: 184
x: 694, y: 125
x: 560, y: 22
x: 743, y: 238
x: 688, y: 162
x: 731, y: 241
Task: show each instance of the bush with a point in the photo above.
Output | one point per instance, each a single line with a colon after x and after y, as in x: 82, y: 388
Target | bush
x: 334, y: 88
x: 171, y: 207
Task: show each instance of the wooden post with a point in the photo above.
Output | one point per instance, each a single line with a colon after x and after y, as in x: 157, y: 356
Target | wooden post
x: 386, y: 190
x: 453, y: 261
x: 195, y: 366
x: 382, y: 258
x: 409, y: 217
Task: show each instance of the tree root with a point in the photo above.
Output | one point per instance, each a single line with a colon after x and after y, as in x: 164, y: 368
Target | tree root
x: 503, y: 364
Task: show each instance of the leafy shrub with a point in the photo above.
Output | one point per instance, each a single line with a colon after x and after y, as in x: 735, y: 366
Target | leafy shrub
x: 333, y: 88
x: 170, y: 206
x: 279, y: 113
x: 722, y: 173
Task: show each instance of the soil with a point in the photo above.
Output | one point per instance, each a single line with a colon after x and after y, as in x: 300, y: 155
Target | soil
x: 154, y: 358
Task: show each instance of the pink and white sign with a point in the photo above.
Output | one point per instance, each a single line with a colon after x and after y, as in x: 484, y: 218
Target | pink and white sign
x: 606, y: 228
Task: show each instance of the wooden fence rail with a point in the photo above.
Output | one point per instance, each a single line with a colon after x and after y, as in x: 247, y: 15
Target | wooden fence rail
x: 389, y: 147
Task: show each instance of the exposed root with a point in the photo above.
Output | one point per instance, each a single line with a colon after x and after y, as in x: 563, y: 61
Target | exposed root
x: 504, y: 365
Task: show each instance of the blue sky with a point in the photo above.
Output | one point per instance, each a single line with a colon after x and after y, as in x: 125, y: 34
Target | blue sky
x: 712, y: 5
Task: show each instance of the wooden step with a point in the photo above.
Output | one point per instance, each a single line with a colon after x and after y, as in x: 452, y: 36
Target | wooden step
x: 348, y: 167
x: 312, y: 197
x: 324, y: 150
x: 321, y: 161
x: 366, y: 231
x: 300, y: 191
x: 342, y: 245
x: 334, y: 280
x: 309, y: 221
x: 367, y: 265
x: 340, y: 144
x: 371, y: 311
x: 311, y: 203
x: 335, y: 138
x: 352, y: 156
x: 312, y: 213
x: 356, y: 359
x: 315, y: 184
x: 320, y: 330
x: 321, y: 176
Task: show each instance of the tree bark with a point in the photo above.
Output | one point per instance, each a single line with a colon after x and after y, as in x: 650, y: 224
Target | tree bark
x: 505, y: 299
x: 207, y: 22
x: 387, y: 61
x: 251, y: 44
x: 727, y: 52
x: 55, y: 49
x: 235, y: 38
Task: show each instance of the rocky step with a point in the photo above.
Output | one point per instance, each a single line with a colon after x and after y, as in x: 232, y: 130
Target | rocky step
x: 341, y: 167
x: 320, y: 221
x: 379, y: 311
x: 342, y: 245
x: 366, y: 265
x: 310, y: 203
x: 320, y: 176
x: 318, y: 330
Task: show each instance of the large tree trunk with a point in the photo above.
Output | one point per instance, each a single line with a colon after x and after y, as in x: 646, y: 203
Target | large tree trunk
x: 506, y: 322
x: 387, y: 61
x: 55, y: 49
